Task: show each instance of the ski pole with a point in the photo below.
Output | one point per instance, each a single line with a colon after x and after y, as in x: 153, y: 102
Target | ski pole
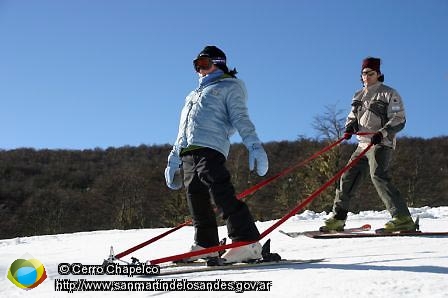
x: 316, y: 193
x: 270, y: 229
x: 154, y: 239
x: 286, y: 171
x: 243, y: 194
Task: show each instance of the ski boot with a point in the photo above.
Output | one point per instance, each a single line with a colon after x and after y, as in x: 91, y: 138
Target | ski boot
x: 196, y: 247
x: 400, y: 223
x: 333, y: 224
x: 246, y: 253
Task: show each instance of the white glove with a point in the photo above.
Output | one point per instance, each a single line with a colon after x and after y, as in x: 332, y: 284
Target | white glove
x: 173, y: 176
x: 258, y: 155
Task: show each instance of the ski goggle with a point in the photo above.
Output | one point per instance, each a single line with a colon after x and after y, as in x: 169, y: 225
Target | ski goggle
x: 368, y: 73
x: 204, y: 63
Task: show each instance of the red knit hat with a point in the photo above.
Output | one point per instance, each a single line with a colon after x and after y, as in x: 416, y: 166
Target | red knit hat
x: 372, y: 63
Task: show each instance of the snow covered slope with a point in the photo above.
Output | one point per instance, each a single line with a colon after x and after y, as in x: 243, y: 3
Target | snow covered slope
x: 366, y: 267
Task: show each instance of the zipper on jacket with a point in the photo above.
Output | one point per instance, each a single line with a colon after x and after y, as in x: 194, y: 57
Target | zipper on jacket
x: 191, y: 103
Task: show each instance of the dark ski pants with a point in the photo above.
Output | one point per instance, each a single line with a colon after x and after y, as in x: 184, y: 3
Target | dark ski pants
x: 376, y: 161
x: 207, y: 181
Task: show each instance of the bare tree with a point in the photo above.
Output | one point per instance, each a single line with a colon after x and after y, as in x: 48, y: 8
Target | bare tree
x: 330, y: 125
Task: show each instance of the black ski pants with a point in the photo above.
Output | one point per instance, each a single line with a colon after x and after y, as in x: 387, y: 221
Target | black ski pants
x: 207, y: 181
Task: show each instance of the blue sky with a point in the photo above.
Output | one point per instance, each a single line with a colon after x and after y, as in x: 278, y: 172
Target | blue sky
x: 107, y: 73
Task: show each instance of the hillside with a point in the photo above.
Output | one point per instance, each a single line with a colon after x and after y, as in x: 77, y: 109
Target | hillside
x: 64, y: 191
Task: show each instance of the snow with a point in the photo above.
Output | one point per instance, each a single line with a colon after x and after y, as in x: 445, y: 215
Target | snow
x: 362, y: 267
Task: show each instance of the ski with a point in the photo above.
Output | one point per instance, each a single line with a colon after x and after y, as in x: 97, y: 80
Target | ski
x: 196, y: 268
x: 363, y: 228
x: 377, y: 234
x: 197, y: 263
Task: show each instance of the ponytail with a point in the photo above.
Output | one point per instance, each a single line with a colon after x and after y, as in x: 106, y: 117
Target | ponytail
x: 226, y: 70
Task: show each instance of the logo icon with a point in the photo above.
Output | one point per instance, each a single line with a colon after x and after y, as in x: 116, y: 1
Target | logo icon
x: 27, y: 272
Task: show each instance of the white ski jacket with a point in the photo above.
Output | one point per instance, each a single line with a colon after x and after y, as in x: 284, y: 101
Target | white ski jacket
x: 213, y: 113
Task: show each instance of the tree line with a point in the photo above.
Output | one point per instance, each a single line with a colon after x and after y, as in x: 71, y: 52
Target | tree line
x: 63, y: 191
